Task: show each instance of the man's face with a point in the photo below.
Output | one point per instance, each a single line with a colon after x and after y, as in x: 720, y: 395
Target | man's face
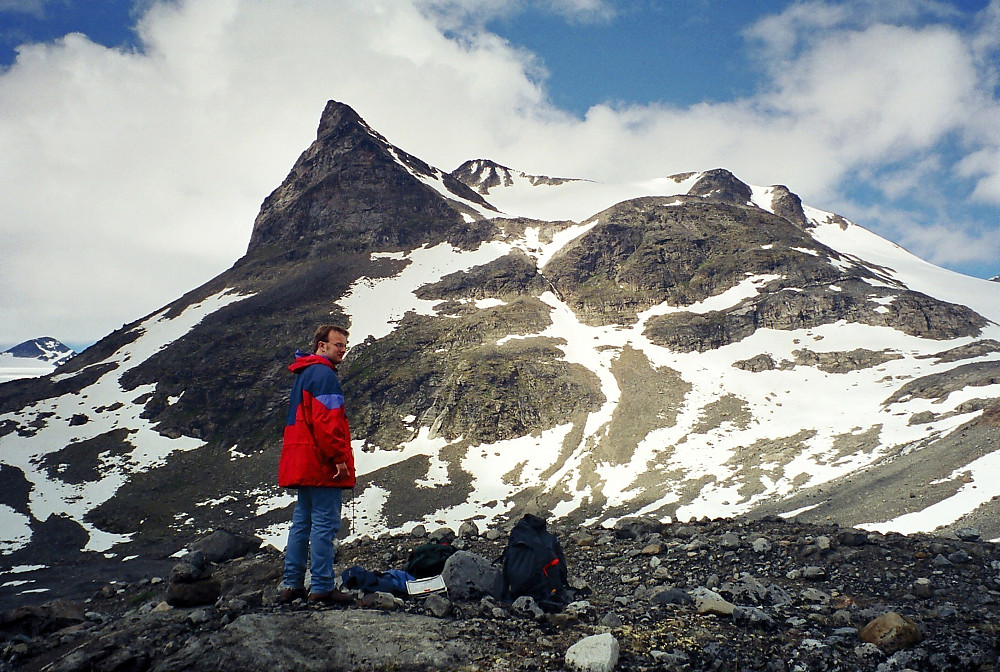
x: 334, y: 347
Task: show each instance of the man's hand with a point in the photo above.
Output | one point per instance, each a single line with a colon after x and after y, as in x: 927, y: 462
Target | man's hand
x: 341, y: 471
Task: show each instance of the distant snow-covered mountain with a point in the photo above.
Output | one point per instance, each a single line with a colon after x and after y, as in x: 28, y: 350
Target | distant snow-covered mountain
x: 682, y: 347
x: 33, y: 358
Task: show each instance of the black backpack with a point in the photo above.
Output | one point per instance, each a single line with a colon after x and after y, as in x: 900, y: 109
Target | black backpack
x: 428, y: 559
x: 533, y: 563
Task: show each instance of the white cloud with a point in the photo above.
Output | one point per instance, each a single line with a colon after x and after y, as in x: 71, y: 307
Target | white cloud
x: 129, y: 177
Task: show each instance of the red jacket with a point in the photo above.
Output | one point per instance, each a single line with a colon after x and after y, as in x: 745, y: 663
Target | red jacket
x: 317, y: 437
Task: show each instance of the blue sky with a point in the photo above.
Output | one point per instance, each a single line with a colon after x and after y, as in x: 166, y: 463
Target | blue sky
x: 138, y: 139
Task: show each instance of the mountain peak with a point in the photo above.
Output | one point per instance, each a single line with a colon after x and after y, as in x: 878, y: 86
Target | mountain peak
x: 337, y: 115
x: 721, y: 185
x: 46, y: 349
x: 485, y: 174
x: 353, y: 190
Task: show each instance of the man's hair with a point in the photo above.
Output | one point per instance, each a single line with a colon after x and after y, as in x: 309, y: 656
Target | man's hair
x: 323, y: 333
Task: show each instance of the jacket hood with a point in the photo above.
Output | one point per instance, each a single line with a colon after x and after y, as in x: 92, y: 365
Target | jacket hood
x: 304, y: 359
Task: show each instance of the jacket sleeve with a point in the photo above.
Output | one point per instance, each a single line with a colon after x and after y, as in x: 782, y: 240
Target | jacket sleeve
x: 324, y: 415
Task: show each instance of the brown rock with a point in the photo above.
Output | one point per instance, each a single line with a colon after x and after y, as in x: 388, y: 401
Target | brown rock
x: 891, y: 632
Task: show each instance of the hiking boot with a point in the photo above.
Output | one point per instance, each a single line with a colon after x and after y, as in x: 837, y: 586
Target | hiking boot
x: 289, y: 595
x: 331, y: 597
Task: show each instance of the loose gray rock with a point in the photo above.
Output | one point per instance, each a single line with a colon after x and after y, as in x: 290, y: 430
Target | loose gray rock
x: 469, y: 576
x: 813, y: 573
x: 959, y: 557
x: 753, y: 617
x: 729, y: 541
x: 379, y: 600
x: 633, y: 527
x: 223, y: 545
x: 671, y: 596
x: 597, y: 653
x: 526, y: 607
x: 437, y: 605
x: 709, y: 602
x: 468, y: 529
x: 444, y: 535
x: 968, y: 533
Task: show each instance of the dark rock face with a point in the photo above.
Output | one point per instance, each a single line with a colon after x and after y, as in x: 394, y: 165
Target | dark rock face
x: 648, y: 251
x: 46, y: 349
x: 509, y: 276
x: 788, y: 205
x: 910, y: 312
x: 792, y: 596
x: 463, y: 384
x: 350, y: 191
x: 721, y: 185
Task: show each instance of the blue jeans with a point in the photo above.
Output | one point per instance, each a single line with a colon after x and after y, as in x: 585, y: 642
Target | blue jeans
x: 315, y: 523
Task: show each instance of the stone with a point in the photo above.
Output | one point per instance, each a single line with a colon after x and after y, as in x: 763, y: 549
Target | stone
x: 525, y: 606
x: 193, y: 594
x: 709, y: 602
x: 852, y: 537
x: 671, y: 596
x: 185, y: 572
x: 444, y: 535
x: 223, y: 545
x: 670, y: 661
x: 813, y: 573
x: 868, y: 652
x: 611, y: 620
x: 729, y: 541
x: 891, y: 632
x: 418, y: 532
x: 468, y: 529
x: 198, y: 616
x: 959, y: 557
x: 597, y: 653
x: 968, y: 533
x: 437, y: 605
x: 761, y: 546
x: 815, y: 596
x: 745, y: 588
x: 922, y: 588
x: 753, y: 617
x: 633, y: 527
x: 469, y: 576
x: 379, y: 600
x: 841, y: 618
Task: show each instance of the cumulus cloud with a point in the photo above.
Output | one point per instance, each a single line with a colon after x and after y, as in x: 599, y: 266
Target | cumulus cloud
x: 132, y: 175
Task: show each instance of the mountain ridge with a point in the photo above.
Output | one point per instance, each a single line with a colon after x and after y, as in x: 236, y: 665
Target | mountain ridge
x: 653, y: 356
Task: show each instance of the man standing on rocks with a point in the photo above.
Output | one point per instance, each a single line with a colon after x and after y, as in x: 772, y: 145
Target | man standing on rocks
x: 316, y: 458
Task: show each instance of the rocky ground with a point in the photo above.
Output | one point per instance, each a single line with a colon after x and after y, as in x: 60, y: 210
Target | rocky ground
x: 732, y: 594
